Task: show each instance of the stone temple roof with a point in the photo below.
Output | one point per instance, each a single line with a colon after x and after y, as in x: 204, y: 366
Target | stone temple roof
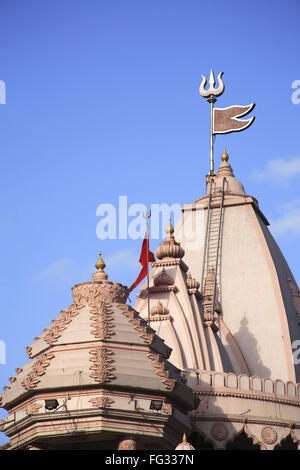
x: 98, y: 340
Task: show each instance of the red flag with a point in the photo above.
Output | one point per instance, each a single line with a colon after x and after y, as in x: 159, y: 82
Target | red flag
x: 145, y: 258
x: 226, y: 119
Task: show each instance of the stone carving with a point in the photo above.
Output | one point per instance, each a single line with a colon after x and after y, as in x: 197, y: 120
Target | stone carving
x: 33, y: 408
x: 162, y: 318
x: 101, y: 357
x: 102, y: 323
x: 159, y: 309
x: 38, y: 369
x: 29, y: 351
x: 163, y: 279
x: 60, y: 324
x: 162, y: 371
x: 101, y: 402
x: 269, y: 435
x: 169, y: 248
x: 2, y: 423
x: 191, y: 282
x: 167, y: 409
x: 140, y: 325
x: 128, y: 444
x: 219, y: 432
x: 92, y: 293
x: 18, y: 370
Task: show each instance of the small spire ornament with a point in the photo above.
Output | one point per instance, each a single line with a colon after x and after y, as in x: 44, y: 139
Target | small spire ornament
x: 170, y: 228
x: 225, y: 156
x: 100, y: 274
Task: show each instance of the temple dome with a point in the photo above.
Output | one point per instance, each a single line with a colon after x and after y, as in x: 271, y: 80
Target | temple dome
x: 232, y: 184
x: 101, y: 350
x: 184, y: 445
x: 169, y: 248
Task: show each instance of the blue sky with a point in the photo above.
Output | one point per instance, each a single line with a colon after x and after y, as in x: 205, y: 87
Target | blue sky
x: 102, y: 100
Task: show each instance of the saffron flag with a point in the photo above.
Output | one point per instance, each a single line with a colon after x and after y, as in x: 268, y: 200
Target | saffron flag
x: 226, y: 120
x: 145, y: 257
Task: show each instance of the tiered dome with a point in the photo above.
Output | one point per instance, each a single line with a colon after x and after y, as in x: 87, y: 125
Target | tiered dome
x: 232, y: 185
x: 101, y: 350
x: 169, y: 248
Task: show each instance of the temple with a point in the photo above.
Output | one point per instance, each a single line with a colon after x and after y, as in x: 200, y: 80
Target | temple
x: 214, y: 365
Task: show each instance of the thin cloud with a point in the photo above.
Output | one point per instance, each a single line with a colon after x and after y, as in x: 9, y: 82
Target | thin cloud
x: 289, y: 222
x: 62, y: 270
x: 279, y: 171
x: 122, y: 258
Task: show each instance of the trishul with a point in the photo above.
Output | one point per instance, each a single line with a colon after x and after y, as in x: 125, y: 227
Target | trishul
x: 211, y: 94
x: 211, y: 90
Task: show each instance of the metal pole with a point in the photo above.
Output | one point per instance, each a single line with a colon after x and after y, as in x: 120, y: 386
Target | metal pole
x: 147, y: 217
x: 212, y: 100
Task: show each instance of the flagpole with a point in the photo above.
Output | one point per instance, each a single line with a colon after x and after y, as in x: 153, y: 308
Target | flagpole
x: 148, y: 288
x: 147, y: 217
x: 212, y: 100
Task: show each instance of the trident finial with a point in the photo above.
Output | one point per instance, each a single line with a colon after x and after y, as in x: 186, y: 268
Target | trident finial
x: 211, y: 94
x: 211, y: 90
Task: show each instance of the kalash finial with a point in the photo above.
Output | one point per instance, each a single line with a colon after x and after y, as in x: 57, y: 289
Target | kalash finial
x: 225, y: 156
x: 100, y: 274
x: 184, y: 444
x: 170, y: 228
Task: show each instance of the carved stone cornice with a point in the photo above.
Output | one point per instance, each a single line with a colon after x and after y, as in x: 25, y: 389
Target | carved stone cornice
x: 102, y: 365
x: 251, y: 396
x: 38, y: 369
x: 170, y: 263
x: 161, y: 318
x: 94, y: 292
x: 59, y: 324
x: 102, y: 321
x: 161, y: 289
